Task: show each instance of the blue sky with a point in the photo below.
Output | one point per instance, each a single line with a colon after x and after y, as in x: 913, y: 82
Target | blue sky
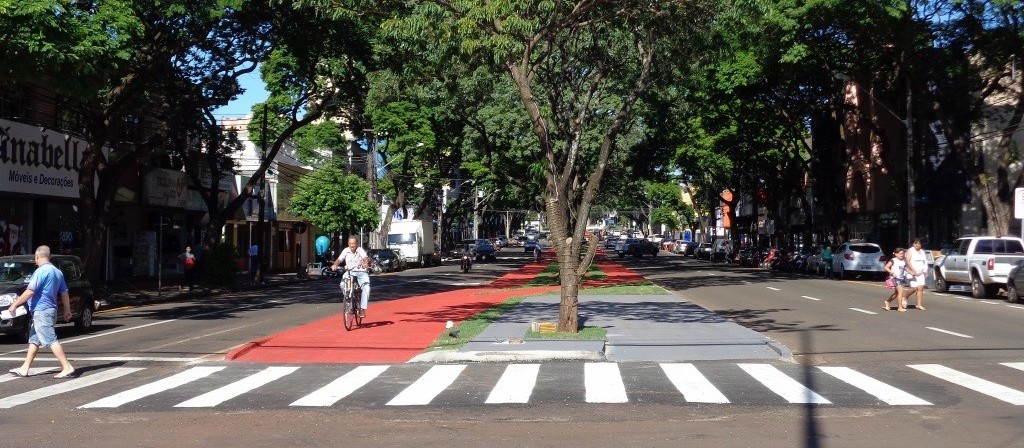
x: 255, y: 92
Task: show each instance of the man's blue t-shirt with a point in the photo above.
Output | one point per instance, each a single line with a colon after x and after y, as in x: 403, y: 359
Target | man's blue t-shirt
x: 46, y: 283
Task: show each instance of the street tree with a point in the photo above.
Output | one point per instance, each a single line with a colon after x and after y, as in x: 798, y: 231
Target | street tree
x: 333, y: 201
x: 130, y: 72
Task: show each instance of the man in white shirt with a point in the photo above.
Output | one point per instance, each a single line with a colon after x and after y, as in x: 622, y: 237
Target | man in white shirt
x: 356, y: 261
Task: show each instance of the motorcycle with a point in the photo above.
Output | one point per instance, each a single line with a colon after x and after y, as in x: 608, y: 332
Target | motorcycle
x: 467, y: 262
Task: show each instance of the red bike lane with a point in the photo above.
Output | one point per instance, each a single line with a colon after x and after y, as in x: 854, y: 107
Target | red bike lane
x: 397, y: 330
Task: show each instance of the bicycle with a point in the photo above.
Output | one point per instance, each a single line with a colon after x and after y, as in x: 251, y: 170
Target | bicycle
x: 351, y: 304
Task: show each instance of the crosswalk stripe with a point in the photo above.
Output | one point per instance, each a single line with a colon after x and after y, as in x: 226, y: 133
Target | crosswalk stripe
x: 972, y: 382
x: 604, y: 383
x: 782, y: 384
x: 515, y: 385
x: 1015, y: 365
x: 220, y: 395
x: 146, y: 390
x: 880, y: 390
x: 428, y: 386
x: 694, y: 386
x: 66, y: 386
x: 31, y: 372
x: 341, y: 387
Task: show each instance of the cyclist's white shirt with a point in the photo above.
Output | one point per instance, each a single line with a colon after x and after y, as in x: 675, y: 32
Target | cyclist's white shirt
x: 350, y: 258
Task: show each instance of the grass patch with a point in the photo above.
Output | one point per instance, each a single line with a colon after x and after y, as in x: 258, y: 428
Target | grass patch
x: 585, y: 334
x: 469, y: 328
x: 549, y: 276
x: 644, y: 288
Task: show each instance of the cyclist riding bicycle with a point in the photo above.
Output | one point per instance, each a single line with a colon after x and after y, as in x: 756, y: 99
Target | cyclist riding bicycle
x: 356, y: 261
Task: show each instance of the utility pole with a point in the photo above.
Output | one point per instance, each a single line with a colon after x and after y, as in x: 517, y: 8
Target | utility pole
x: 261, y: 199
x: 476, y: 213
x: 371, y: 162
x: 911, y: 212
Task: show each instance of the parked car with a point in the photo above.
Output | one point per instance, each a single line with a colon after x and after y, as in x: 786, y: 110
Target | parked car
x: 1015, y: 281
x: 387, y: 259
x: 984, y: 262
x: 814, y: 264
x: 484, y: 248
x: 686, y: 248
x: 703, y: 251
x: 858, y: 258
x: 530, y: 245
x: 656, y: 238
x: 636, y: 247
x: 721, y: 249
x: 609, y: 243
x: 15, y: 271
x: 501, y: 241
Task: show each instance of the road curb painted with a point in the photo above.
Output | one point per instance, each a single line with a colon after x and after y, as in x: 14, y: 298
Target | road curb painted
x: 451, y: 356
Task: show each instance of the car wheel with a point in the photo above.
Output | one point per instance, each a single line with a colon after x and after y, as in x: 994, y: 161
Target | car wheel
x: 1011, y: 293
x: 940, y: 283
x: 84, y: 320
x: 978, y: 289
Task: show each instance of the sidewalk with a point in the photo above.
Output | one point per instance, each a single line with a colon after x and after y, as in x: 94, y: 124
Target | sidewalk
x: 639, y: 328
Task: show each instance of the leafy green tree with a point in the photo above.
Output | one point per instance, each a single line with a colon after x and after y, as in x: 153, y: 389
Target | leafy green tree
x: 333, y: 201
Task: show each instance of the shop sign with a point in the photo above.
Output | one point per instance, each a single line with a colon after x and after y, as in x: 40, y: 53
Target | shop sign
x: 39, y: 161
x: 167, y: 188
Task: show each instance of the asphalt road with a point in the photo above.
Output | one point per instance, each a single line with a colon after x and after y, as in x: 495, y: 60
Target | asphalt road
x: 148, y: 345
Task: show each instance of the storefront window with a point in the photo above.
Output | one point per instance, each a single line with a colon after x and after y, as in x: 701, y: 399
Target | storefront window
x: 58, y: 227
x: 15, y: 227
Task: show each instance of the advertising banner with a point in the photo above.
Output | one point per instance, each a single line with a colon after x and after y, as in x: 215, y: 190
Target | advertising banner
x: 39, y: 161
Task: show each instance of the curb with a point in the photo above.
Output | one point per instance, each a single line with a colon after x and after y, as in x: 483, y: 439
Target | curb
x: 451, y: 356
x: 138, y: 300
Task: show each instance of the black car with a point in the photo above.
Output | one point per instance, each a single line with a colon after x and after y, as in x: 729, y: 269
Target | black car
x: 387, y: 259
x: 636, y: 247
x: 15, y: 271
x: 1015, y: 276
x: 484, y: 248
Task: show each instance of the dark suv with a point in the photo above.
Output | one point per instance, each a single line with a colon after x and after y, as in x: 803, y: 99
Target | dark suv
x: 14, y: 274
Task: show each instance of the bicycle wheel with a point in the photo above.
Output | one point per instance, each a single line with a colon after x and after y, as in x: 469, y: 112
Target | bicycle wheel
x: 357, y: 306
x: 349, y: 313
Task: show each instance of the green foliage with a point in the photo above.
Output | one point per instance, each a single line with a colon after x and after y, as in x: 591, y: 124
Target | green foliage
x: 666, y: 216
x: 221, y: 263
x: 333, y: 201
x: 319, y: 141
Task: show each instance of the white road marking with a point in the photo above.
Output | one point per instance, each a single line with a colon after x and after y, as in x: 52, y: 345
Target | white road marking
x: 810, y: 298
x: 604, y: 383
x: 66, y: 386
x: 950, y: 332
x: 428, y: 386
x: 146, y: 390
x: 1015, y: 365
x: 110, y: 358
x: 940, y: 294
x: 987, y: 302
x: 694, y: 386
x: 1016, y: 306
x: 341, y: 387
x: 880, y: 390
x: 31, y: 372
x: 516, y: 384
x: 965, y: 298
x: 773, y: 289
x: 972, y: 382
x: 191, y: 316
x: 220, y: 395
x: 784, y: 386
x: 863, y: 311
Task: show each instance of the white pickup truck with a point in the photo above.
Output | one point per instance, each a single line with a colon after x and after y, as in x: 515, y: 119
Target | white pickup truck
x: 981, y: 261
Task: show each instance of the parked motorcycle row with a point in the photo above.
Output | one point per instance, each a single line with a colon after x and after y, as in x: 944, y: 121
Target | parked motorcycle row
x: 781, y: 260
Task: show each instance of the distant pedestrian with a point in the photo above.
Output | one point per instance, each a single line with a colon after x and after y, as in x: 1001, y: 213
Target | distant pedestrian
x: 44, y: 286
x: 188, y: 265
x: 896, y: 267
x: 826, y: 256
x: 917, y: 267
x: 254, y: 260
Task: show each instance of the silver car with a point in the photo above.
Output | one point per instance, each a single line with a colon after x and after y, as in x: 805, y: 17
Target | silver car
x: 858, y: 258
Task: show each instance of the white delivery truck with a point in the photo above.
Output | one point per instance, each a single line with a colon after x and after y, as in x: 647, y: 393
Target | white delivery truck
x: 414, y: 239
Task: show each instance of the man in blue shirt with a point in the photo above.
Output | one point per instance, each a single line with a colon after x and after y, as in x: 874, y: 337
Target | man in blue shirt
x: 46, y: 283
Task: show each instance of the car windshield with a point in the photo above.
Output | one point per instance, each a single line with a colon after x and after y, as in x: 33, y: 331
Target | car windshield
x: 865, y: 248
x: 16, y: 271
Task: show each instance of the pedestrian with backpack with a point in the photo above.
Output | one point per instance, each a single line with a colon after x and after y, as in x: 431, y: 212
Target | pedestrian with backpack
x: 188, y: 264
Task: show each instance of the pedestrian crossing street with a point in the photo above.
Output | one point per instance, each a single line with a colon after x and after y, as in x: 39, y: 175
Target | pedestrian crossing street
x: 251, y: 386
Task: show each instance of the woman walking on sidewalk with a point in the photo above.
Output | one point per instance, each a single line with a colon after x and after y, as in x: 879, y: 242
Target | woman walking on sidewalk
x: 897, y: 269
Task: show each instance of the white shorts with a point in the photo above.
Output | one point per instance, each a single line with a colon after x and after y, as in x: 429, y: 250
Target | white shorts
x: 917, y: 281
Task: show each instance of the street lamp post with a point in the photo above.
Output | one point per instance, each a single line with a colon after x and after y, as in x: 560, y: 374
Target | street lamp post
x: 908, y: 124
